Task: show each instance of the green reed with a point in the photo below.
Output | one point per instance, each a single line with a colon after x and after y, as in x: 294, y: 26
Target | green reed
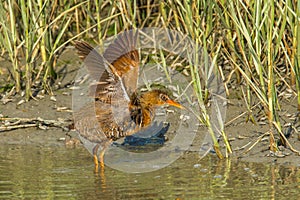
x: 199, y: 26
x: 9, y: 38
x: 262, y: 30
x: 34, y: 30
x: 296, y: 63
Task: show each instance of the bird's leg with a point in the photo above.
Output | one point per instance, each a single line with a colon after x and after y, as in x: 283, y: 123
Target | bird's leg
x: 101, y: 155
x: 95, y: 150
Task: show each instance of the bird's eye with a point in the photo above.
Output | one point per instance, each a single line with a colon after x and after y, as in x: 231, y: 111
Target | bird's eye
x: 163, y: 97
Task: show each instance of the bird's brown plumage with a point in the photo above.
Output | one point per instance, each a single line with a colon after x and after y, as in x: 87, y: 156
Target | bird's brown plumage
x: 118, y: 109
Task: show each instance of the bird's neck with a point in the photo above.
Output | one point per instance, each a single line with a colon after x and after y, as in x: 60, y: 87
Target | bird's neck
x: 147, y: 115
x: 142, y: 111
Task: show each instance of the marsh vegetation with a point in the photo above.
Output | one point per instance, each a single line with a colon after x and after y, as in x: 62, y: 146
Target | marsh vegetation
x: 254, y: 46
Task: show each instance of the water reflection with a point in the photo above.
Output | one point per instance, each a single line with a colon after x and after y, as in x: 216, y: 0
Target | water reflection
x: 31, y: 172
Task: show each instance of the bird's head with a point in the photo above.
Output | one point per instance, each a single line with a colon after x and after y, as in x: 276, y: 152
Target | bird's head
x: 158, y: 97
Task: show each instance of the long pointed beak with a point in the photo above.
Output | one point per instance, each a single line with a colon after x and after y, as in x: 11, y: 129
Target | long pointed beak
x: 174, y: 103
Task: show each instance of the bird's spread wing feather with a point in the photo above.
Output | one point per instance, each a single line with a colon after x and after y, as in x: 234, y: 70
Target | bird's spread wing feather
x: 116, y: 75
x: 117, y: 68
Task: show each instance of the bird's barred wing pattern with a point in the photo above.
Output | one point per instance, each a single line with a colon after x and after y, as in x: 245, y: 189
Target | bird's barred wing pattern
x: 104, y: 88
x: 118, y: 72
x: 124, y: 57
x: 117, y: 68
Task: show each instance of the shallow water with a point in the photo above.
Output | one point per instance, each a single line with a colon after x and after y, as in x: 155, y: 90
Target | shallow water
x: 57, y: 172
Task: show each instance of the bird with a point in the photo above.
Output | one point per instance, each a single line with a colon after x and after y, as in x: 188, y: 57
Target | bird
x: 119, y: 108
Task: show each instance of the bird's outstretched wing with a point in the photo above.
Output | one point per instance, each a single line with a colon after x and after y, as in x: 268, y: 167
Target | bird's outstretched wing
x: 115, y: 72
x: 124, y: 57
